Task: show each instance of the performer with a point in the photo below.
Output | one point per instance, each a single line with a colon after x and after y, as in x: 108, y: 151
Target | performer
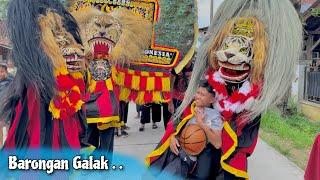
x: 44, y: 103
x: 109, y: 39
x: 250, y: 49
x: 174, y: 159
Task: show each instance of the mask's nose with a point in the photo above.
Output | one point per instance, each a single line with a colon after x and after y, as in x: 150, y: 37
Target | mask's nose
x: 229, y: 55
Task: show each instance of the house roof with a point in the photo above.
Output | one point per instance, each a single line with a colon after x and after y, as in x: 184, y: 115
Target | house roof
x: 311, y: 19
x: 309, y: 11
x: 4, y: 36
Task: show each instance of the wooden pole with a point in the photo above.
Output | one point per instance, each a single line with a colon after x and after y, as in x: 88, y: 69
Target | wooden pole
x: 211, y: 10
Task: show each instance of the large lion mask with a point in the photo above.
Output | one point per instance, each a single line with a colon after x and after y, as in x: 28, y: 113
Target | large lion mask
x: 59, y: 44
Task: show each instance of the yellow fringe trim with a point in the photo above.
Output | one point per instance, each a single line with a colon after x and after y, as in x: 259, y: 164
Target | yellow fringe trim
x: 124, y: 94
x: 103, y: 119
x: 225, y: 166
x: 140, y: 98
x: 158, y: 74
x: 52, y: 108
x: 109, y: 125
x: 119, y: 78
x: 135, y: 82
x: 76, y: 89
x: 166, y: 84
x: 92, y: 86
x: 144, y: 73
x: 77, y: 75
x: 150, y: 84
x: 62, y: 71
x: 54, y: 111
x: 79, y: 105
x: 156, y: 96
x: 109, y: 84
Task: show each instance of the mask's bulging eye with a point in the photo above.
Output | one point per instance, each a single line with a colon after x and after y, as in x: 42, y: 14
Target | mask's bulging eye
x: 225, y: 46
x: 98, y: 24
x: 62, y: 41
x: 108, y: 25
x: 244, y: 50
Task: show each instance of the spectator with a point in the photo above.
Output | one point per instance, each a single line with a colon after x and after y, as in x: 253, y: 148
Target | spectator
x: 138, y: 109
x: 12, y: 70
x: 123, y: 119
x: 156, y: 115
x: 5, y: 78
x: 180, y: 84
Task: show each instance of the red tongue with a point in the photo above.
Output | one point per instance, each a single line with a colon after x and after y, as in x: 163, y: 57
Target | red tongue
x: 101, y: 49
x: 231, y: 72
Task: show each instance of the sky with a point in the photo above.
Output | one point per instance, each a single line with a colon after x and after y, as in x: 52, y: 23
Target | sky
x: 204, y: 11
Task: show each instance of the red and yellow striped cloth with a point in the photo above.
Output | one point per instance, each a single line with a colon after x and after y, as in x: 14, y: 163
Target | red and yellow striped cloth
x: 141, y: 86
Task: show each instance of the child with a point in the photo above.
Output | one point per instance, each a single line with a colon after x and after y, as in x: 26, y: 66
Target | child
x: 5, y: 79
x: 206, y: 164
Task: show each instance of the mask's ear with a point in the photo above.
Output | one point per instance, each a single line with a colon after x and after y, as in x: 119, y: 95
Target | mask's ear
x: 48, y: 24
x: 135, y: 37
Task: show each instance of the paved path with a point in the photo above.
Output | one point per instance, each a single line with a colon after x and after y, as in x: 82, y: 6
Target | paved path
x: 265, y: 164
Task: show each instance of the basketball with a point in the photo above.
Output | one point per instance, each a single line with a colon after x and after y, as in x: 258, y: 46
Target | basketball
x: 193, y: 139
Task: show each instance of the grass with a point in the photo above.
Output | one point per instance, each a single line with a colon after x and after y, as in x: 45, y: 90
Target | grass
x: 292, y: 135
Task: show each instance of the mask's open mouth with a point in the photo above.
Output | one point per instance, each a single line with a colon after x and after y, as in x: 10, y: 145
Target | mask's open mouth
x: 234, y: 73
x: 75, y: 62
x: 101, y: 46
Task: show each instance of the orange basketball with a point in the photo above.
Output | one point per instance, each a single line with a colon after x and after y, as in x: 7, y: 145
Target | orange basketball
x: 193, y: 139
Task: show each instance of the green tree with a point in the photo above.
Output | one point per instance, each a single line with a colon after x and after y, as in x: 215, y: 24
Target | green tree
x: 3, y: 9
x: 176, y: 24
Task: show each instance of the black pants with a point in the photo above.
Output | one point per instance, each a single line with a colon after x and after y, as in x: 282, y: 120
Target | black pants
x: 227, y: 176
x: 124, y: 111
x: 156, y: 113
x: 138, y: 108
x: 103, y: 140
x: 208, y: 164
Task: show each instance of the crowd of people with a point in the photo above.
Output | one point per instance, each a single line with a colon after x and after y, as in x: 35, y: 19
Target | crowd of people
x: 7, y: 73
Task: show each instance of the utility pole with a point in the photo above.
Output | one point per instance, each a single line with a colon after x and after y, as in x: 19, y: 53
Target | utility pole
x: 211, y: 10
